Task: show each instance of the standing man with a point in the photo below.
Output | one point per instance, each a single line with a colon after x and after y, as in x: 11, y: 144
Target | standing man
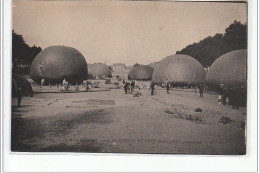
x: 243, y: 96
x: 201, y: 88
x: 167, y: 86
x: 65, y: 85
x: 19, y: 96
x: 152, y: 88
x: 132, y: 85
x: 125, y: 87
x: 123, y: 83
x: 220, y: 91
x: 18, y: 92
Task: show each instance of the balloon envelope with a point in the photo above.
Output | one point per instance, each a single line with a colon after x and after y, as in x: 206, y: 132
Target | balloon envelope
x: 179, y: 70
x: 229, y: 69
x: 58, y: 62
x: 99, y: 70
x: 141, y: 72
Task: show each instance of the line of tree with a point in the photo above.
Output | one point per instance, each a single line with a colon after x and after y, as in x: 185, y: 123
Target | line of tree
x: 22, y: 54
x: 209, y: 49
x: 136, y: 64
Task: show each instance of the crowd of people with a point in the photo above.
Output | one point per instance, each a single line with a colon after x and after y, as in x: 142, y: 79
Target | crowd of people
x: 234, y: 96
x: 65, y: 85
x: 129, y: 85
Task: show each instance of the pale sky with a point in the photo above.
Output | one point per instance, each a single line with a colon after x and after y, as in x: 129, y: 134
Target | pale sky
x: 122, y: 31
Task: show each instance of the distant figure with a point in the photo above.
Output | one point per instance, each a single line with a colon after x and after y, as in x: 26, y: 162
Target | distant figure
x: 65, y: 85
x: 229, y: 96
x: 132, y: 85
x: 59, y: 87
x: 201, y: 88
x: 123, y: 81
x: 42, y: 82
x: 19, y: 96
x: 243, y: 96
x: 138, y: 93
x: 152, y: 88
x: 236, y: 97
x: 220, y: 93
x: 167, y: 84
x: 126, y: 87
x: 64, y: 81
x: 87, y: 88
x: 76, y: 87
x: 224, y: 95
x: 18, y: 93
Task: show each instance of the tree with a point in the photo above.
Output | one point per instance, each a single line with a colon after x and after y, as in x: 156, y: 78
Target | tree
x: 236, y: 35
x: 209, y: 49
x: 22, y: 51
x: 136, y: 64
x: 22, y: 54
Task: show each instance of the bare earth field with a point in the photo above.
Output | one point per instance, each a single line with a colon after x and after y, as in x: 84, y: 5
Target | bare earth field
x: 111, y: 121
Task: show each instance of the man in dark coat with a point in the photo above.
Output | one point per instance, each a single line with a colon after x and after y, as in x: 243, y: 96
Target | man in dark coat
x: 167, y: 86
x: 152, y: 88
x: 201, y: 88
x: 19, y: 96
x: 17, y: 91
x: 126, y: 87
x: 132, y: 85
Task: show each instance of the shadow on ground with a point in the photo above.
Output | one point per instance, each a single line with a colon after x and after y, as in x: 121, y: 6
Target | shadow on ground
x: 27, y: 132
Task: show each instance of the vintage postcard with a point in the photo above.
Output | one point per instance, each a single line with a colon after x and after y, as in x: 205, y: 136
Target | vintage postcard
x: 157, y: 77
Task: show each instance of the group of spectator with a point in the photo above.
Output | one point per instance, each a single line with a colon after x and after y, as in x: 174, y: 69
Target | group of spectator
x: 235, y: 96
x: 166, y: 84
x: 128, y: 85
x: 65, y: 85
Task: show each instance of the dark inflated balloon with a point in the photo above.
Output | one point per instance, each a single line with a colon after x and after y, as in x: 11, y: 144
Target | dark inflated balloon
x: 141, y: 72
x: 58, y: 62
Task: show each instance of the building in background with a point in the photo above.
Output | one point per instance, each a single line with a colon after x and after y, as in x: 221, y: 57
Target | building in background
x: 120, y: 70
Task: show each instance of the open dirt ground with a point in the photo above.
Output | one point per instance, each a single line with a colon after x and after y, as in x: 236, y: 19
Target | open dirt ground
x: 112, y: 121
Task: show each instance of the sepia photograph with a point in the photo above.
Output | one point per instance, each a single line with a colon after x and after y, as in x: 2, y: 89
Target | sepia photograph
x: 137, y: 77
